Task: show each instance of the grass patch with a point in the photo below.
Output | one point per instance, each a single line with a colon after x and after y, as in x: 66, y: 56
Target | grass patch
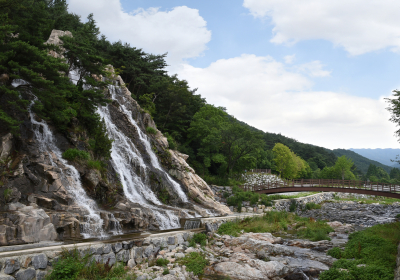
x: 293, y: 206
x: 375, y: 247
x: 74, y: 154
x: 312, y: 205
x: 275, y: 221
x: 162, y: 262
x: 195, y: 262
x: 198, y: 238
x: 71, y: 266
x: 7, y: 193
x: 164, y: 196
x: 151, y: 130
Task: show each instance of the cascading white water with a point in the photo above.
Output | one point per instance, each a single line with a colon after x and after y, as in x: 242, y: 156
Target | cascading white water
x: 144, y: 139
x: 125, y: 158
x: 94, y: 224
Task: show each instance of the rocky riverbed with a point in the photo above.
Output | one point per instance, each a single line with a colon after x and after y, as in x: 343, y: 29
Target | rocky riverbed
x: 250, y: 256
x: 355, y: 213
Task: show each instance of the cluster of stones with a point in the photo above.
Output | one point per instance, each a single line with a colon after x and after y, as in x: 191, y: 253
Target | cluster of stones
x: 263, y: 256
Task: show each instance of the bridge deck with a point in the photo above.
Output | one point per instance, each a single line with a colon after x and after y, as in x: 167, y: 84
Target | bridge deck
x: 320, y: 185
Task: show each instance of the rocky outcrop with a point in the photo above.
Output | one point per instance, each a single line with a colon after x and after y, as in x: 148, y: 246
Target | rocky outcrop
x: 198, y: 190
x: 263, y: 256
x: 6, y: 146
x: 26, y: 224
x: 40, y: 183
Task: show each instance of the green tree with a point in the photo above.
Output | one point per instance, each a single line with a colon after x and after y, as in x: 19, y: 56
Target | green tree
x: 221, y: 138
x: 395, y: 174
x: 31, y: 71
x: 343, y: 165
x: 284, y: 161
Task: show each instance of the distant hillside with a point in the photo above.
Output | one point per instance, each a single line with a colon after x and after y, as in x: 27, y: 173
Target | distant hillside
x: 320, y: 156
x: 360, y: 161
x: 317, y: 157
x: 381, y: 155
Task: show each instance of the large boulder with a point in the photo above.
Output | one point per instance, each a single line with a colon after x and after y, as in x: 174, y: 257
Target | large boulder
x: 31, y: 223
x: 6, y: 146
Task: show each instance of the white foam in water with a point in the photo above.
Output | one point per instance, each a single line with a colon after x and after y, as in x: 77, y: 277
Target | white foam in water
x: 144, y: 139
x: 124, y: 158
x: 94, y: 224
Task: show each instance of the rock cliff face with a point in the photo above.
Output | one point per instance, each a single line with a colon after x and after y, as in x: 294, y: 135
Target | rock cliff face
x: 44, y: 197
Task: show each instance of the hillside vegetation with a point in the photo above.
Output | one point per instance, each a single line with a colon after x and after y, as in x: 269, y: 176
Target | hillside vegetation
x: 219, y: 146
x: 360, y: 161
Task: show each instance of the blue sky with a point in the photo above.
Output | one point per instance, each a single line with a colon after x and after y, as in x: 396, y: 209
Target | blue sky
x: 312, y: 70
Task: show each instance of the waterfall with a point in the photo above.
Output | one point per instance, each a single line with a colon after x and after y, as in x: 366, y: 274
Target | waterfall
x: 144, y: 139
x: 192, y: 224
x: 125, y: 158
x: 93, y: 227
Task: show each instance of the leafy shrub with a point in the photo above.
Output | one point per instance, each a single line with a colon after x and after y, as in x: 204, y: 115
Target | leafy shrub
x: 316, y: 231
x: 195, y: 262
x: 198, y: 238
x: 335, y: 252
x: 7, y: 194
x: 312, y: 205
x: 166, y: 271
x: 171, y: 142
x: 73, y: 154
x: 100, y: 143
x: 293, y: 205
x: 239, y: 207
x: 96, y: 164
x: 162, y: 262
x: 73, y: 266
x: 229, y: 228
x: 240, y: 196
x: 376, y: 247
x: 226, y: 194
x: 151, y: 130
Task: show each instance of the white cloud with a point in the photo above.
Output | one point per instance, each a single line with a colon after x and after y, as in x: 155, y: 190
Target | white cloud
x: 181, y: 32
x: 357, y: 25
x: 274, y: 98
x: 313, y: 69
x: 289, y: 58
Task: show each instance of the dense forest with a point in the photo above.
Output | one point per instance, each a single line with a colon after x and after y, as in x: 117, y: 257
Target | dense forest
x: 219, y: 146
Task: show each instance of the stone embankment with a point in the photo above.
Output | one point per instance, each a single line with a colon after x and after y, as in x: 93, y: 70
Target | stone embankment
x: 36, y: 263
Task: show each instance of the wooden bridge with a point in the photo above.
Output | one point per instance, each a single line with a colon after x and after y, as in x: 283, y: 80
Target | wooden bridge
x: 327, y: 185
